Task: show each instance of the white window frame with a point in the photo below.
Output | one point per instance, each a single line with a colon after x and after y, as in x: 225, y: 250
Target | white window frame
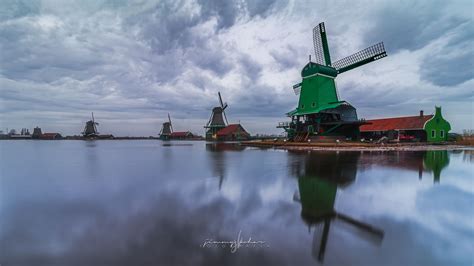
x: 433, y: 133
x: 441, y: 133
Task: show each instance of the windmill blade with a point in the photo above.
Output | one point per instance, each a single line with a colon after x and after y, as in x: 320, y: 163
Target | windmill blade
x: 370, y: 54
x: 296, y: 197
x: 221, y: 180
x: 225, y: 117
x: 169, y: 120
x: 223, y: 105
x: 92, y: 116
x: 210, y: 119
x: 320, y: 43
x: 220, y: 98
x: 361, y: 225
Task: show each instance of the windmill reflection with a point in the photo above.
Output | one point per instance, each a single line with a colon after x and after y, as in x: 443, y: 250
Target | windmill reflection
x: 320, y: 174
x: 216, y: 153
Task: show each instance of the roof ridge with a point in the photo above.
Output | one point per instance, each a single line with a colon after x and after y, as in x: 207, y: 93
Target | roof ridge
x: 396, y: 117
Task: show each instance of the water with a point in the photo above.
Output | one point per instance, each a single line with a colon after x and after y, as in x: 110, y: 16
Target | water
x: 154, y: 203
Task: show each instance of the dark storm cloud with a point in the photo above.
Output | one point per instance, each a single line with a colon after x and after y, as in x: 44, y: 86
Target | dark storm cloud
x: 448, y: 71
x: 165, y: 26
x: 156, y: 57
x: 262, y: 102
x: 250, y: 67
x: 287, y: 58
x: 263, y: 7
x: 455, y: 63
x: 19, y: 8
x: 410, y: 25
x: 226, y: 12
x: 211, y: 58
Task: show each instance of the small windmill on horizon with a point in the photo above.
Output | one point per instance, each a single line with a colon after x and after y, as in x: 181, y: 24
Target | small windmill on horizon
x: 217, y: 121
x: 90, y: 129
x: 166, y: 129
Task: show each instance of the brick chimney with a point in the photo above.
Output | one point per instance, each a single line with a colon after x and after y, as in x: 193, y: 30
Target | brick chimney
x: 421, y: 113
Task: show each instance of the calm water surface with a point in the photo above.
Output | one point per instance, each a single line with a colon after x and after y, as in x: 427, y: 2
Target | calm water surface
x: 156, y: 203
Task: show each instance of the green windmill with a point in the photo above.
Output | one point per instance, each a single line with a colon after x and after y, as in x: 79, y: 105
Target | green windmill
x: 320, y: 112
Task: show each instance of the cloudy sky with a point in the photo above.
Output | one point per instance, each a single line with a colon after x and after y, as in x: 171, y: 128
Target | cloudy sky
x: 132, y: 62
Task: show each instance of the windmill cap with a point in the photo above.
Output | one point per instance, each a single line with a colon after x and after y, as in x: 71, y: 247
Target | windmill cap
x: 313, y: 68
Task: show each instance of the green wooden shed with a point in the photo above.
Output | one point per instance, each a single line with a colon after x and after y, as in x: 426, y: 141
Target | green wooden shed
x: 437, y: 127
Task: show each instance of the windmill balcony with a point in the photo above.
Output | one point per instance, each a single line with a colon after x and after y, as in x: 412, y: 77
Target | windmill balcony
x: 283, y: 124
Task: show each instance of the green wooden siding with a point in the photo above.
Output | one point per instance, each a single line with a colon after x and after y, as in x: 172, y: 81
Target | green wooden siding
x: 317, y: 196
x: 316, y: 92
x: 436, y: 161
x: 437, y: 128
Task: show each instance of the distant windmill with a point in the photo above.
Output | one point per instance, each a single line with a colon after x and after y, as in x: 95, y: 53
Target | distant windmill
x: 167, y: 129
x: 90, y: 130
x: 217, y: 121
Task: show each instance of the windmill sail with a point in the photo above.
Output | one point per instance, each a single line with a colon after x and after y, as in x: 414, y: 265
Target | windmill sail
x: 169, y: 120
x: 321, y: 48
x: 90, y: 128
x: 223, y: 105
x: 370, y: 54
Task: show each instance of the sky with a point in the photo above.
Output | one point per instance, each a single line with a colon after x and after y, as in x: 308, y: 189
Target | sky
x: 133, y: 62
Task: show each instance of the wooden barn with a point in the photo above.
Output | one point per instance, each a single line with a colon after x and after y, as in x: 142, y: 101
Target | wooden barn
x: 425, y: 128
x: 181, y: 135
x: 233, y: 132
x: 50, y: 136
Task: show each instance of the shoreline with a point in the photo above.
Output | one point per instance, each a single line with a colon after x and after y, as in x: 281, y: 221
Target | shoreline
x: 321, y: 146
x: 356, y: 146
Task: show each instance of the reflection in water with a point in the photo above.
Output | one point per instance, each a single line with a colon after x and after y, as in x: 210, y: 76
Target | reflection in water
x: 318, y: 181
x: 217, y: 157
x: 468, y: 156
x: 436, y: 161
x: 91, y: 157
x: 421, y: 161
x: 152, y: 205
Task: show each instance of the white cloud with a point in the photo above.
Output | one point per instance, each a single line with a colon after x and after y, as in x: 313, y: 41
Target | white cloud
x: 131, y: 63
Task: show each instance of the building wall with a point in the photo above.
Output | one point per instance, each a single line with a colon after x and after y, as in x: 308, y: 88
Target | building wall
x: 316, y: 91
x: 437, y: 128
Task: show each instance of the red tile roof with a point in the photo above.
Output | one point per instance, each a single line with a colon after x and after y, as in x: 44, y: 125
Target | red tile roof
x: 229, y: 129
x: 396, y: 123
x: 180, y: 134
x: 50, y: 135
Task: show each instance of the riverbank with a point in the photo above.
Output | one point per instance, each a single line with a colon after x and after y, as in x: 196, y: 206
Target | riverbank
x: 355, y: 146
